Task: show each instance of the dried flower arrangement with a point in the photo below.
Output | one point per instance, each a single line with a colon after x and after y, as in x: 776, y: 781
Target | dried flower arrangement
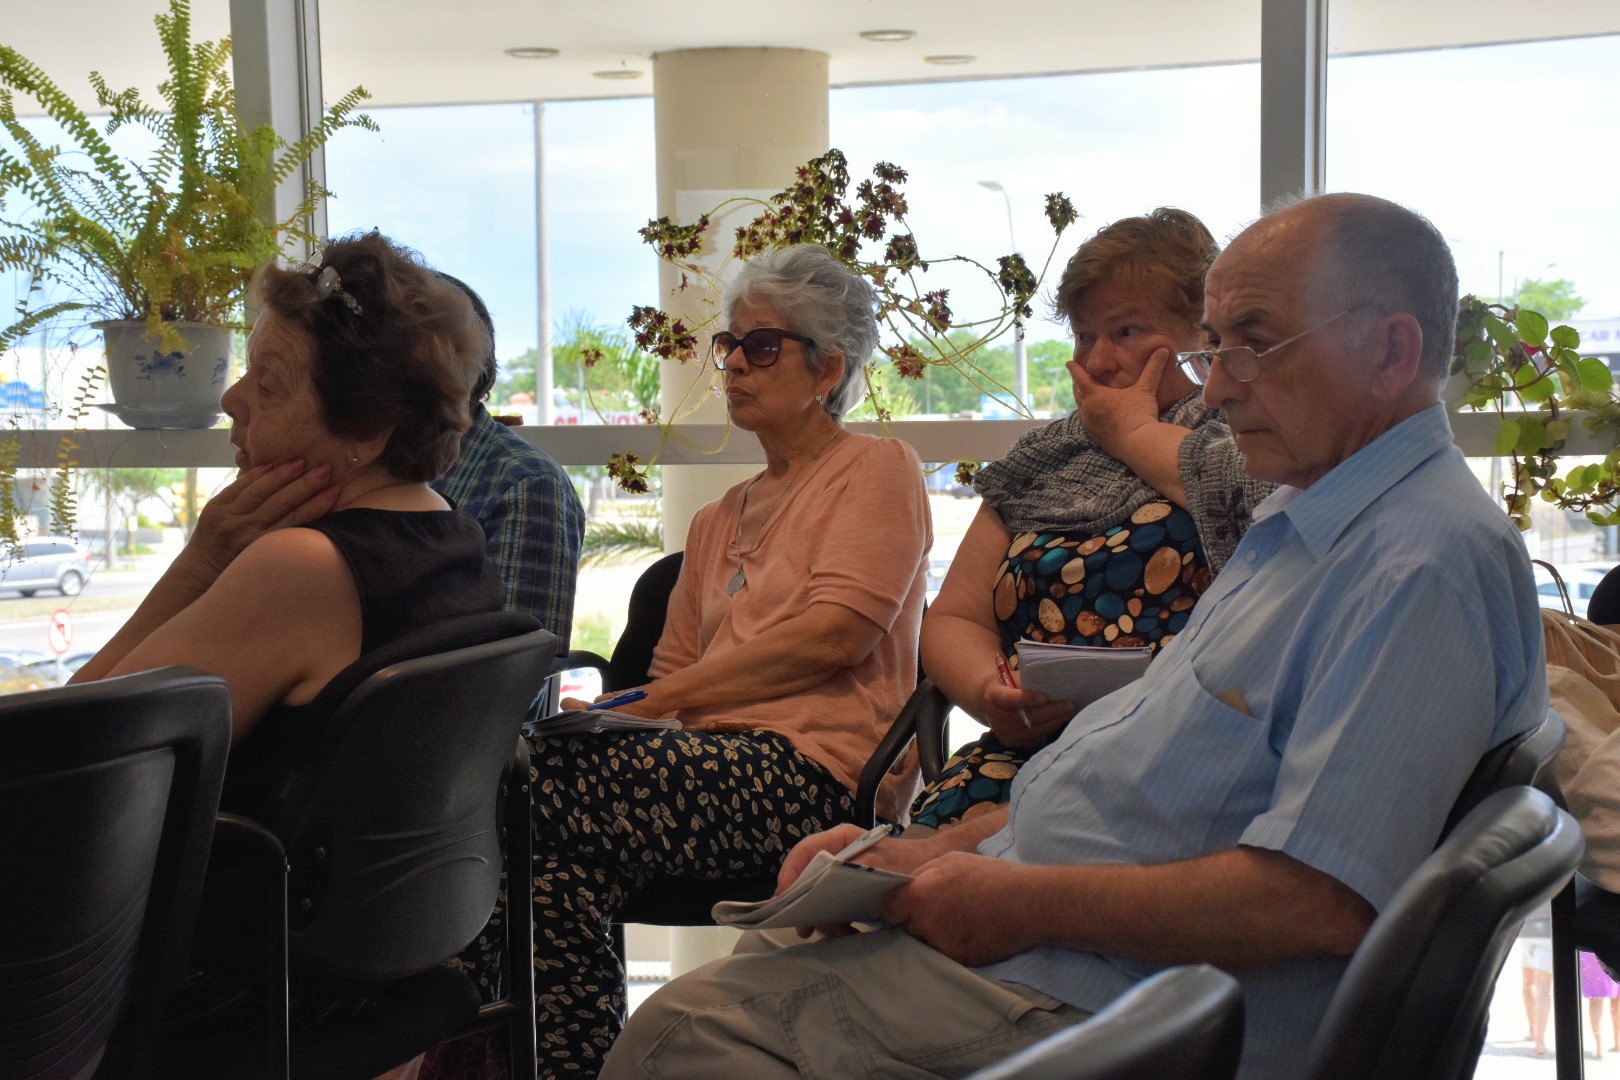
x: 920, y: 326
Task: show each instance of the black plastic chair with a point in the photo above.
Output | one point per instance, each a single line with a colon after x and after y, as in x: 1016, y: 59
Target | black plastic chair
x: 644, y: 625
x: 107, y: 798
x: 1413, y: 1002
x: 922, y: 718
x: 1185, y: 1023
x: 1585, y: 917
x: 1521, y: 759
x: 390, y: 832
x: 675, y: 901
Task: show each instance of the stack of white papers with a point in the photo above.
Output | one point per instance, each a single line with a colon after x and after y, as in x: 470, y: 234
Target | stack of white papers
x: 1078, y: 673
x: 593, y: 722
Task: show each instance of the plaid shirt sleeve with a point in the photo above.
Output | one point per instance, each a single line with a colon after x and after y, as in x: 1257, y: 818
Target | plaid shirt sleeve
x: 535, y: 531
x: 531, y: 516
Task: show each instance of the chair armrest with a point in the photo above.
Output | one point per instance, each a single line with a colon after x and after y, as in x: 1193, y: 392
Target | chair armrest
x: 921, y: 718
x: 260, y: 843
x: 1182, y: 1022
x: 579, y: 658
x: 519, y: 917
x: 549, y: 700
x: 933, y: 711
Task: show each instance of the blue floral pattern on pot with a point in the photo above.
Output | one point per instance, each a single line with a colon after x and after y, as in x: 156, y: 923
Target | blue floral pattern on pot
x: 161, y: 365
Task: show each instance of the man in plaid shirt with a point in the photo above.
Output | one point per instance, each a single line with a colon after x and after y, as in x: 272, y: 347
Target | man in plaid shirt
x: 531, y: 516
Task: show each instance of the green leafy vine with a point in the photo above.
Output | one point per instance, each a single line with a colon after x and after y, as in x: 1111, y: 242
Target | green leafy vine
x: 1533, y: 376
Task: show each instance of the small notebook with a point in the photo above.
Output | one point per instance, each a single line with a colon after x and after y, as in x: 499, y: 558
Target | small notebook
x: 829, y: 892
x: 1078, y: 673
x: 593, y: 722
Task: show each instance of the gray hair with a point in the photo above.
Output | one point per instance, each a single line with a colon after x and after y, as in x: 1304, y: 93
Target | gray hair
x: 1394, y: 259
x: 821, y: 298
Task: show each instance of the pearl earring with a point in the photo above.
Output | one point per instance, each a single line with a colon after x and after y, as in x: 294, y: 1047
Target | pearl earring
x: 354, y: 459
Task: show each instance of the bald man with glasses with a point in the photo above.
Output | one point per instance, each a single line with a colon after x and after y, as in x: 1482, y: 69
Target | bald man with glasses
x: 1282, y: 768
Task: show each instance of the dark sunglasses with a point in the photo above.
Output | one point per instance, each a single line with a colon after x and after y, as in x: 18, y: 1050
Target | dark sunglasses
x: 762, y: 346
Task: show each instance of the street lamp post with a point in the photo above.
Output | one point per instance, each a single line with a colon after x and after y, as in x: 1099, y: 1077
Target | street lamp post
x: 1020, y: 355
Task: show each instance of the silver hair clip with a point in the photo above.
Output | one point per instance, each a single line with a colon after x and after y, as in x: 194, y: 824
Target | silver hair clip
x: 328, y: 284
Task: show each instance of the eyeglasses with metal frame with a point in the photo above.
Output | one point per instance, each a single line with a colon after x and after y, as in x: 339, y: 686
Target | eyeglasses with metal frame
x: 1240, y: 362
x: 761, y: 346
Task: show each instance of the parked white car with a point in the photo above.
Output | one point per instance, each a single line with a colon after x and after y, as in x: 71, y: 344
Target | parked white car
x: 48, y: 562
x: 1580, y: 580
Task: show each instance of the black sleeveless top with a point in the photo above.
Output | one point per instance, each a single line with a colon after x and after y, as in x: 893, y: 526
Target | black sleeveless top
x: 412, y: 569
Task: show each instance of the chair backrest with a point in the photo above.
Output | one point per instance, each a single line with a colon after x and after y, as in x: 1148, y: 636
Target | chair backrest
x: 922, y: 718
x: 1603, y: 606
x: 644, y: 624
x: 107, y: 798
x: 1185, y: 1023
x: 392, y: 820
x: 1412, y: 1003
x: 1517, y: 760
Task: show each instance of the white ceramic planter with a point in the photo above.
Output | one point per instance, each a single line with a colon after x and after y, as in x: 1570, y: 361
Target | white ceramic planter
x: 158, y: 387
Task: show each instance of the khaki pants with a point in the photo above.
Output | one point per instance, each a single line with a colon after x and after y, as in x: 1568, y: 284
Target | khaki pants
x: 881, y: 1004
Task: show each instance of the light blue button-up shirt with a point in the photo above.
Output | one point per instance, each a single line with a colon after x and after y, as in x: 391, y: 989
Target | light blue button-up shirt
x: 1370, y: 639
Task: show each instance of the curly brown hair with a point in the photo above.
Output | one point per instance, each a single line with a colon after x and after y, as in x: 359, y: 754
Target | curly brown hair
x: 407, y: 360
x: 1168, y: 248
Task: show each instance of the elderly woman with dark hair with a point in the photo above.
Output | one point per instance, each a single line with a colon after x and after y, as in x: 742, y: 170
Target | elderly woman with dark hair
x: 329, y: 543
x: 789, y: 647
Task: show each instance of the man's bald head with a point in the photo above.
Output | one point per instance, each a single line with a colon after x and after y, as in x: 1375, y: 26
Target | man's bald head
x: 1376, y: 253
x: 1349, y: 303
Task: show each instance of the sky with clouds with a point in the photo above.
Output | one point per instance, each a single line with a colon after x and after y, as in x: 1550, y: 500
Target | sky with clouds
x: 1512, y: 150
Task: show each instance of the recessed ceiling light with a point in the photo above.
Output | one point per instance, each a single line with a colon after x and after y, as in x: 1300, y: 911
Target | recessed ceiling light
x: 949, y: 59
x: 618, y: 73
x: 888, y: 35
x: 532, y: 52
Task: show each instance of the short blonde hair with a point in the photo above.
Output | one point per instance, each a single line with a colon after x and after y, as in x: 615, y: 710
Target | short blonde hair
x: 1169, y: 248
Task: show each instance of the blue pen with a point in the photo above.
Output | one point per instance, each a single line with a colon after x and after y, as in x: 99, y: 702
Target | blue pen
x: 629, y: 697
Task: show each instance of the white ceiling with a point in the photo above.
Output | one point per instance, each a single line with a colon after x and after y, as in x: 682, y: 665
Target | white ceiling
x: 421, y: 52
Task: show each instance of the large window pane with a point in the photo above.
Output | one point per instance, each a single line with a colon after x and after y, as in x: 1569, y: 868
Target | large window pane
x: 1117, y: 143
x: 1510, y: 150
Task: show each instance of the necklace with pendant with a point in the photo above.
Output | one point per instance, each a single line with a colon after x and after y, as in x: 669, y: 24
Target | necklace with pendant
x: 740, y: 578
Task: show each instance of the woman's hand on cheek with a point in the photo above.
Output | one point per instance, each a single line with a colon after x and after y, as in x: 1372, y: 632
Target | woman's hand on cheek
x: 1111, y: 413
x: 258, y: 501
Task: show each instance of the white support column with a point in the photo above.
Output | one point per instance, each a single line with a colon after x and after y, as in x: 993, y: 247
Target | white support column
x: 1293, y: 97
x: 276, y: 66
x: 728, y: 122
x: 542, y: 249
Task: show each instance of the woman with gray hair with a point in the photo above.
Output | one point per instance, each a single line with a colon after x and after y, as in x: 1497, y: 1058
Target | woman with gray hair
x: 790, y: 645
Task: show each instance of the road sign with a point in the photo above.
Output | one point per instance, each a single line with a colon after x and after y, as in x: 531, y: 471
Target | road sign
x: 60, y: 632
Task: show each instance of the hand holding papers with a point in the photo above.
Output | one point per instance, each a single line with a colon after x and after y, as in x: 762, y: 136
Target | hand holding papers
x: 1078, y: 673
x: 831, y: 890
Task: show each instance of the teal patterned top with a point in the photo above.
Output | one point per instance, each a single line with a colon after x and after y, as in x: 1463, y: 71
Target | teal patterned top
x: 1133, y: 585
